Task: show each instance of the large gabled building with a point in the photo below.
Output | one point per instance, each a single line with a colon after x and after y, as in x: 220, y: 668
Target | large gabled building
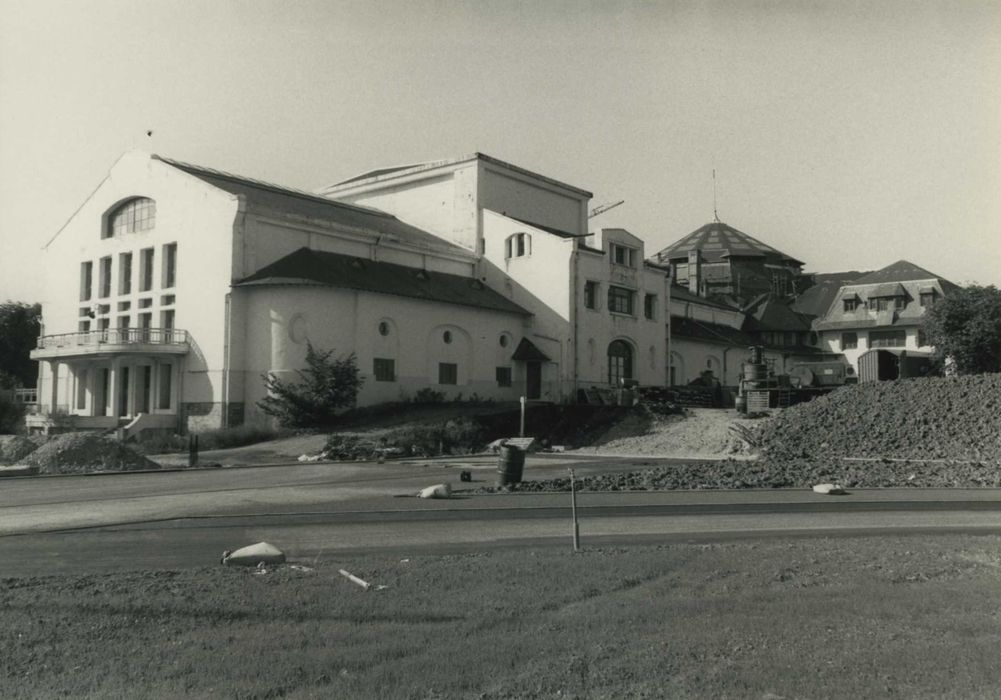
x: 174, y: 289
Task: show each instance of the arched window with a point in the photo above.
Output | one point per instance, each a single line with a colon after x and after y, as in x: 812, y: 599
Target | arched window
x: 620, y: 361
x: 518, y: 245
x: 135, y: 215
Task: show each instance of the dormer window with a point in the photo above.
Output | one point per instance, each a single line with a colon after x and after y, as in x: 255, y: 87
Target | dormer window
x: 850, y: 303
x: 927, y: 296
x: 133, y: 216
x: 623, y: 255
x: 518, y: 245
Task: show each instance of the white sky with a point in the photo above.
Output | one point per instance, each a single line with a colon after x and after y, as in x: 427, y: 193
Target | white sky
x: 848, y: 135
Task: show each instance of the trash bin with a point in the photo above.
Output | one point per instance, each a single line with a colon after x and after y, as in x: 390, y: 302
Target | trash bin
x: 510, y: 464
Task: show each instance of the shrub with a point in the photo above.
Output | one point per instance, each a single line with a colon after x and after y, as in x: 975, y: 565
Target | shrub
x: 429, y: 395
x: 325, y: 387
x: 11, y: 414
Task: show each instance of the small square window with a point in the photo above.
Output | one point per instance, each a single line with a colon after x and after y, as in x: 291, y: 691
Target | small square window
x: 849, y: 341
x: 623, y: 255
x: 384, y: 369
x: 448, y: 373
x: 620, y: 300
x: 503, y: 376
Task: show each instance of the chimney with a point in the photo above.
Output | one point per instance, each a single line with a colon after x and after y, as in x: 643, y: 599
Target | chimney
x: 694, y: 272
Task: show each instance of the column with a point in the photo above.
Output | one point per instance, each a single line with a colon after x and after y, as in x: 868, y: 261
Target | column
x: 53, y: 398
x: 111, y: 400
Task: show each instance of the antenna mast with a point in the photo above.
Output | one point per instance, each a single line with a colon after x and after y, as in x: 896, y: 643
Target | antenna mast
x: 715, y: 213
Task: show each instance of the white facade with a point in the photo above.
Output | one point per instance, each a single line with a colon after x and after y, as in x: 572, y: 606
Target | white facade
x: 149, y: 316
x: 531, y: 233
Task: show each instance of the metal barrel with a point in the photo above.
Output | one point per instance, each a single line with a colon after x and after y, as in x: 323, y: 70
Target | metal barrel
x: 754, y: 372
x: 510, y: 464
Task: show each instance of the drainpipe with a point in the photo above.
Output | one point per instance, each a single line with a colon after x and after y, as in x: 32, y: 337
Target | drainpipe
x: 575, y: 261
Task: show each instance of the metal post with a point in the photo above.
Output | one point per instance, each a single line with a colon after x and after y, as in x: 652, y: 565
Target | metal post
x: 192, y: 450
x: 521, y: 431
x: 573, y: 511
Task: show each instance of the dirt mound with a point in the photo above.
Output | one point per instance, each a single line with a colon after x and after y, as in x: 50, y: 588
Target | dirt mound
x: 702, y: 432
x: 14, y: 448
x: 77, y: 453
x: 932, y: 418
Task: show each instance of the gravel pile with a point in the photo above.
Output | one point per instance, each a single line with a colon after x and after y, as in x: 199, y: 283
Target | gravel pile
x: 14, y: 448
x: 76, y: 453
x: 734, y: 474
x: 955, y: 418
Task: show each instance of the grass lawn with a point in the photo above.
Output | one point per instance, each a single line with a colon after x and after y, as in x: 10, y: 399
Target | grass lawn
x: 906, y: 617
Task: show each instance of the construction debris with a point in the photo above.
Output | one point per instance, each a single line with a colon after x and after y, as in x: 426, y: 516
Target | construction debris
x: 254, y: 555
x: 354, y: 579
x: 436, y: 491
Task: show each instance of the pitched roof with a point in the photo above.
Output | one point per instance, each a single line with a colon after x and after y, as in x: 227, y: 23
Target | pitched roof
x: 313, y: 267
x: 775, y: 315
x: 815, y: 300
x: 900, y: 271
x: 717, y: 241
x: 692, y: 329
x: 527, y: 351
x: 430, y: 165
x: 683, y: 294
x: 269, y: 197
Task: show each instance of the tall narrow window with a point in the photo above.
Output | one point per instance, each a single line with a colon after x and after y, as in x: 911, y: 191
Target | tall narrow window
x: 125, y: 273
x: 105, y: 280
x: 166, y: 374
x: 167, y: 319
x: 650, y: 306
x: 169, y: 265
x: 590, y: 295
x: 145, y: 269
x: 620, y: 362
x: 86, y: 280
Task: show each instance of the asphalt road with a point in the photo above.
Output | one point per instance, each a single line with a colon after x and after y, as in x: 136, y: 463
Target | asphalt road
x: 187, y: 518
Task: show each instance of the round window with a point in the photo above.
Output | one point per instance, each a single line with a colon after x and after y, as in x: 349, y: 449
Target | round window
x: 504, y: 340
x: 383, y: 328
x: 447, y: 337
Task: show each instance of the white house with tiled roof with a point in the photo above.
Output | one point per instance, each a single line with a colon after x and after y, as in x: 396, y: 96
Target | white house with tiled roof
x: 881, y: 309
x: 174, y: 288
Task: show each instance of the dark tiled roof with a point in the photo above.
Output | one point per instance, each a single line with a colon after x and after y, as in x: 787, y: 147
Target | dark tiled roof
x: 775, y: 315
x: 900, y: 271
x: 691, y: 329
x: 275, y: 198
x: 716, y: 241
x: 682, y: 294
x: 527, y: 351
x: 312, y: 267
x: 816, y: 300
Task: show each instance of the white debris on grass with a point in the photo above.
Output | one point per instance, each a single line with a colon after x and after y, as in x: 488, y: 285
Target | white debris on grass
x: 254, y: 555
x: 829, y: 489
x: 436, y: 491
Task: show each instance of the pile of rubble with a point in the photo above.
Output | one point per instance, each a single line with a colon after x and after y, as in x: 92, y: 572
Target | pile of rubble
x: 77, y: 453
x: 932, y: 418
x: 14, y: 448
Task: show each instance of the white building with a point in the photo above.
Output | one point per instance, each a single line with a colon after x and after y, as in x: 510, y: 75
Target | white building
x: 175, y: 288
x: 881, y: 309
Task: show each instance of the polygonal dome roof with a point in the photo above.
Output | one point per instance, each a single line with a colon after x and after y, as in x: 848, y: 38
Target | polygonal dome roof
x: 717, y: 241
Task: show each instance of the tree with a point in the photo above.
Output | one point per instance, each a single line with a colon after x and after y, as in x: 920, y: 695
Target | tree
x: 326, y: 385
x: 966, y: 326
x: 20, y: 325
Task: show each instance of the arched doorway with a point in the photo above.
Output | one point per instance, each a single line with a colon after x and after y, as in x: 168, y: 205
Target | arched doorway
x: 620, y: 362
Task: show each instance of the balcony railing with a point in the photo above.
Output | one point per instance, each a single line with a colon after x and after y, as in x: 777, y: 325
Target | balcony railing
x: 115, y: 336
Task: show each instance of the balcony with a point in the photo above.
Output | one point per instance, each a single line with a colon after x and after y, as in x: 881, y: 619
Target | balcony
x: 112, y: 341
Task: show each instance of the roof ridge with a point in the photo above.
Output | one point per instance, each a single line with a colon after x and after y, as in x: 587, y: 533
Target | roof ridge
x: 254, y: 182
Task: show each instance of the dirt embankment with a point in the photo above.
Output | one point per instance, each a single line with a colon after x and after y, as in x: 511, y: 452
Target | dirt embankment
x: 933, y: 418
x: 703, y: 433
x: 77, y: 453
